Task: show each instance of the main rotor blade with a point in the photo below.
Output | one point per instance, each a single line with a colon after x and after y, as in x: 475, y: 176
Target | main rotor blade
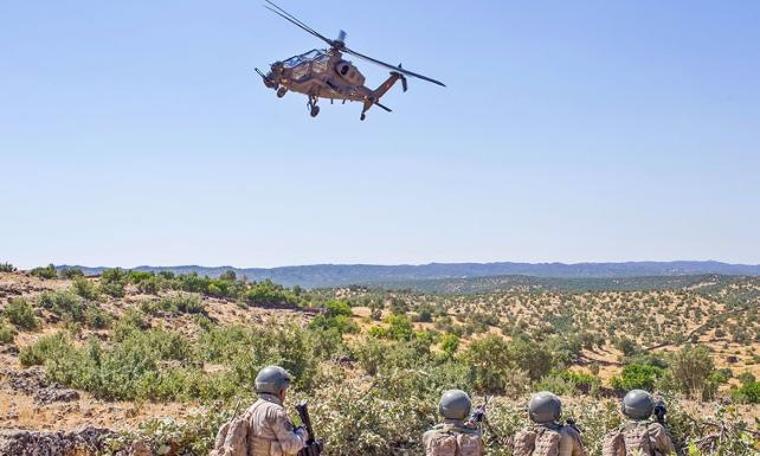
x: 392, y: 67
x: 297, y: 22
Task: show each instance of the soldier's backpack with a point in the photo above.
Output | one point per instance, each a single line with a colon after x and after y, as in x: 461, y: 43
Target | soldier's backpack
x: 538, y: 440
x: 449, y: 443
x: 231, y: 440
x: 630, y: 439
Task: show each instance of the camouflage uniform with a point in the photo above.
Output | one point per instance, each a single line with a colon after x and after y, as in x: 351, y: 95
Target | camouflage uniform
x: 453, y: 438
x: 263, y: 430
x: 549, y: 439
x: 646, y: 437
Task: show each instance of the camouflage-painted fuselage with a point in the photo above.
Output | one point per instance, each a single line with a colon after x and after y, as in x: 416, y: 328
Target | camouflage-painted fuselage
x: 325, y: 74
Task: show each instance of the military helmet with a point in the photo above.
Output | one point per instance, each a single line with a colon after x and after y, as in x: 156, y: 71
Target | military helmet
x: 544, y: 407
x: 638, y: 405
x: 272, y: 380
x: 454, y: 404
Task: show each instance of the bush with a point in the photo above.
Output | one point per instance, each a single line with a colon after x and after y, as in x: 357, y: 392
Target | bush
x: 627, y: 346
x: 748, y: 393
x: 70, y: 273
x: 535, y: 359
x: 491, y: 367
x: 182, y: 303
x: 7, y: 333
x: 449, y: 345
x: 46, y: 347
x: 21, y: 314
x: 7, y: 267
x: 268, y: 294
x: 97, y: 318
x: 637, y: 376
x: 337, y: 316
x: 47, y: 272
x: 64, y: 304
x: 690, y: 369
x: 113, y: 281
x: 85, y: 289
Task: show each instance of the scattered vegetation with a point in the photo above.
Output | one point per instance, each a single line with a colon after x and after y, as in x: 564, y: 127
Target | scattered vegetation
x: 374, y: 381
x: 46, y: 272
x: 21, y: 314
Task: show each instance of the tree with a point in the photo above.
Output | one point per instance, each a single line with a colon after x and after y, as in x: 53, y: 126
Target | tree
x: 47, y: 272
x: 490, y: 364
x: 228, y: 275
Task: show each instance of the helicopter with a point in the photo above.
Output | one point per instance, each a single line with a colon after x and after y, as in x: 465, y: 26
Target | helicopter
x: 325, y: 73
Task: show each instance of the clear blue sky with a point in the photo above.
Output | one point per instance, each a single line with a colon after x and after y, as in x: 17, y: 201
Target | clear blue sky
x: 137, y: 132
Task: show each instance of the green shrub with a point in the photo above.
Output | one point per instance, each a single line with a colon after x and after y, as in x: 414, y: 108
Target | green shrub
x: 746, y: 377
x: 7, y: 267
x: 97, y: 318
x: 337, y: 316
x: 340, y: 323
x: 64, y: 304
x: 46, y: 347
x: 47, y: 272
x: 268, y: 294
x: 85, y: 289
x: 748, y: 393
x: 113, y: 281
x: 183, y: 303
x: 533, y: 358
x: 627, y: 346
x: 492, y: 367
x: 691, y: 369
x: 70, y: 273
x: 557, y: 384
x: 637, y: 376
x: 7, y: 333
x: 21, y: 314
x: 449, y: 345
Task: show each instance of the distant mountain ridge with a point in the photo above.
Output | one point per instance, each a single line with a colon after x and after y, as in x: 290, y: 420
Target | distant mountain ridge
x: 331, y: 275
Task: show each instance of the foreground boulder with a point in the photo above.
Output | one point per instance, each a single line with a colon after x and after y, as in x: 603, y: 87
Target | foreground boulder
x: 32, y: 381
x: 86, y: 441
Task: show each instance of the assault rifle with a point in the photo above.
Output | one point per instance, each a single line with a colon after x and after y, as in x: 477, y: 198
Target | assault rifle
x: 479, y: 414
x: 660, y: 411
x: 313, y: 446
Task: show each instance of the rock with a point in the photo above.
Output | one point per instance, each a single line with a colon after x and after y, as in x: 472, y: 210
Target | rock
x: 86, y: 441
x: 9, y: 350
x: 55, y: 394
x: 32, y: 381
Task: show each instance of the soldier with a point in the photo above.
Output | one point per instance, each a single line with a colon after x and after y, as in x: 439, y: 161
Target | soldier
x: 456, y: 436
x: 639, y: 434
x: 547, y: 436
x: 264, y: 429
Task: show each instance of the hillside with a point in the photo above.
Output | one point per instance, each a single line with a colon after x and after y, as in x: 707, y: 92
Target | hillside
x: 331, y: 275
x: 153, y: 363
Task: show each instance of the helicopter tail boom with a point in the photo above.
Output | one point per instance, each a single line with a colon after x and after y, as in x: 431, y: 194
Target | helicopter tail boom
x: 388, y: 83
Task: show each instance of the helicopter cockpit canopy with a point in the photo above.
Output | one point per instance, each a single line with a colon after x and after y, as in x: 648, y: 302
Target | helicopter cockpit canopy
x: 306, y: 57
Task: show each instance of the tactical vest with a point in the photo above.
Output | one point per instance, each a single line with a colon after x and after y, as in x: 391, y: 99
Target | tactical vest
x: 539, y: 440
x: 448, y: 440
x: 631, y: 438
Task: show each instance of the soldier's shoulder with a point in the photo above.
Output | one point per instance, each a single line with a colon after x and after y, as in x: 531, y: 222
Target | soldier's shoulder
x: 656, y: 427
x: 434, y: 430
x: 570, y: 430
x: 529, y: 429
